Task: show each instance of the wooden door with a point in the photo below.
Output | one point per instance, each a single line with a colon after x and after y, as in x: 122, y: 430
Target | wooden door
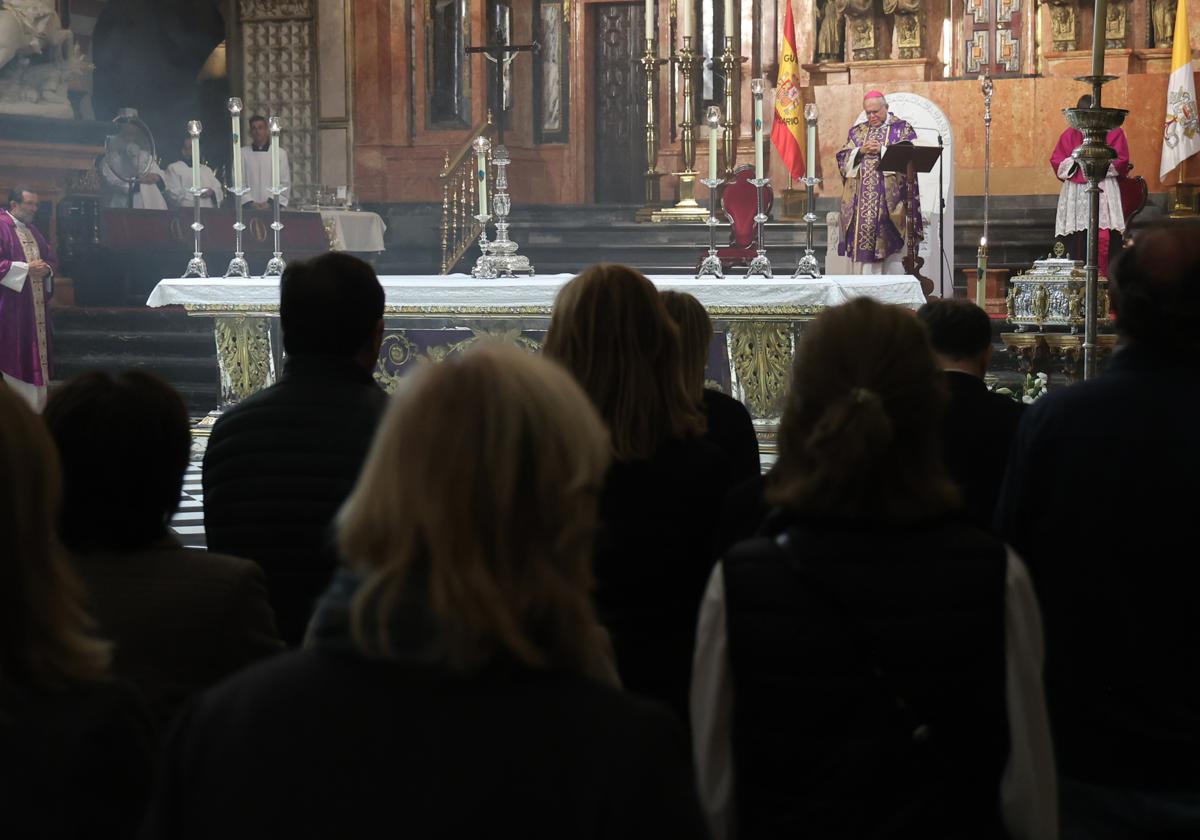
x: 620, y: 103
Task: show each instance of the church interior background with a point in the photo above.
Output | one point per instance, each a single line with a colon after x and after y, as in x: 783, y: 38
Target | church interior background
x: 380, y: 103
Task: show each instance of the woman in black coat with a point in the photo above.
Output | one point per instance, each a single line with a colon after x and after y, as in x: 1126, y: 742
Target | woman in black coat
x: 75, y: 745
x: 663, y: 494
x: 468, y: 692
x: 871, y: 667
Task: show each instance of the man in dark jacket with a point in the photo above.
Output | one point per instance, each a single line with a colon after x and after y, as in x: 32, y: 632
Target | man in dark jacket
x: 1100, y: 501
x: 978, y: 427
x: 280, y: 464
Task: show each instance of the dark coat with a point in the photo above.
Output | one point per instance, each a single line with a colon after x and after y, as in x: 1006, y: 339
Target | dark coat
x: 181, y: 619
x: 279, y: 465
x: 977, y: 432
x: 1100, y: 501
x: 75, y: 762
x: 843, y: 641
x: 654, y: 554
x: 322, y: 743
x: 731, y: 430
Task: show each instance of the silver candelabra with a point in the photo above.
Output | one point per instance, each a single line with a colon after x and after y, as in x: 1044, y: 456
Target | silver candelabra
x: 503, y: 252
x: 710, y: 266
x: 275, y: 265
x: 238, y: 267
x: 808, y: 266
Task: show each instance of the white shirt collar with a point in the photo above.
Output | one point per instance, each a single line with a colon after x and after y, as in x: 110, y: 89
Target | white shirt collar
x: 17, y: 221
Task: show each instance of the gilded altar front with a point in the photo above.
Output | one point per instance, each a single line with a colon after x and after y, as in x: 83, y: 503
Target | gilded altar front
x: 757, y: 324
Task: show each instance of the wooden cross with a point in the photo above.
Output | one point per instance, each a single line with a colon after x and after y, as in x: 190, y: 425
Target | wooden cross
x: 501, y: 55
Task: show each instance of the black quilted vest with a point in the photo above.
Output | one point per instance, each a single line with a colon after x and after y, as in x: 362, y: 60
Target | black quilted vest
x: 868, y: 668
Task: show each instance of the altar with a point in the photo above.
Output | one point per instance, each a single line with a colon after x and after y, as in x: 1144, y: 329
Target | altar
x: 756, y: 322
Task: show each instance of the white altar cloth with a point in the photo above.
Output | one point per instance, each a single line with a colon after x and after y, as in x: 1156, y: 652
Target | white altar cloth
x: 359, y: 231
x: 460, y: 293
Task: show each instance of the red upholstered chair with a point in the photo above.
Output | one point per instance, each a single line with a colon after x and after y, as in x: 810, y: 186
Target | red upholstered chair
x: 1134, y: 194
x: 739, y: 200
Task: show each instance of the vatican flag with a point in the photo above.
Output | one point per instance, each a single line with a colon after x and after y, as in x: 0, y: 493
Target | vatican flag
x: 789, y: 107
x: 1181, y: 134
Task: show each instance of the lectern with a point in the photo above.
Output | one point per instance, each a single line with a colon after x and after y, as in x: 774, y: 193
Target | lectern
x: 907, y: 160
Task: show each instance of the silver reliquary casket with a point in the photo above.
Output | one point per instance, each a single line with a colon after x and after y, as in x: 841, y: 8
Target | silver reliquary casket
x: 1052, y: 294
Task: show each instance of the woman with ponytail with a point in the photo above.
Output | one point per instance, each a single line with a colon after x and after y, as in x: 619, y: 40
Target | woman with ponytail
x: 871, y: 665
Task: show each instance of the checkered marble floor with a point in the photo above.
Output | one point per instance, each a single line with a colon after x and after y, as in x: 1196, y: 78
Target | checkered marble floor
x: 188, y: 522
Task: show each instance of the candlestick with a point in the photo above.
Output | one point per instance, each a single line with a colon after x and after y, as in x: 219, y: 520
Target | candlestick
x: 649, y: 20
x: 981, y: 272
x: 757, y: 86
x: 481, y: 149
x: 714, y: 136
x: 235, y: 116
x: 1098, y: 37
x: 807, y: 265
x: 273, y: 122
x: 194, y: 129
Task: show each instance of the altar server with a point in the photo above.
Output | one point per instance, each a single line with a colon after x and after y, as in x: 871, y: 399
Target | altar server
x: 256, y: 163
x: 26, y: 282
x: 178, y: 180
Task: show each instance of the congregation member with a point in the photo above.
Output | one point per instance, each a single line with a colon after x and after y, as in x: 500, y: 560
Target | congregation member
x: 870, y: 666
x: 75, y: 746
x: 256, y: 163
x: 874, y: 202
x: 470, y: 698
x: 978, y: 427
x: 1100, y: 500
x: 181, y: 619
x: 178, y: 181
x: 1074, y: 209
x: 663, y: 493
x: 280, y: 463
x: 728, y: 423
x: 27, y: 267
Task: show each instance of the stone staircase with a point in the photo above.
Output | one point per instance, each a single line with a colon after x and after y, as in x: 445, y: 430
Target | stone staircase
x: 165, y: 341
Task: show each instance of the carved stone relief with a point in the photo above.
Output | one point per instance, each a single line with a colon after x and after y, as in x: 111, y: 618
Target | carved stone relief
x: 862, y: 20
x: 910, y: 21
x: 1064, y: 27
x: 1162, y: 22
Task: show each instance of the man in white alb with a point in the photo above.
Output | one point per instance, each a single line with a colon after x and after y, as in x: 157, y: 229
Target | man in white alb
x: 178, y: 181
x: 256, y: 164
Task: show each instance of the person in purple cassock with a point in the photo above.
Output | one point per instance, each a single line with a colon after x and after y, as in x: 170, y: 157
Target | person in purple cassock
x: 27, y: 267
x: 874, y: 202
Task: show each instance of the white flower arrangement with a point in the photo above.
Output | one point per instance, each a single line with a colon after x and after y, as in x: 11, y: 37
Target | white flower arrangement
x: 1033, y: 388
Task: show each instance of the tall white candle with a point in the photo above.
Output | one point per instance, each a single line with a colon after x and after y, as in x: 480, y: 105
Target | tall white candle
x: 731, y: 27
x: 649, y: 20
x: 481, y: 176
x: 274, y: 123
x: 714, y: 137
x: 194, y: 131
x: 1098, y: 39
x: 757, y: 86
x: 235, y: 114
x: 981, y: 274
x: 685, y: 18
x: 810, y: 150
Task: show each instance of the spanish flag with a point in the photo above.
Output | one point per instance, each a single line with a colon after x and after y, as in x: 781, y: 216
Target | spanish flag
x: 789, y: 107
x: 1181, y: 134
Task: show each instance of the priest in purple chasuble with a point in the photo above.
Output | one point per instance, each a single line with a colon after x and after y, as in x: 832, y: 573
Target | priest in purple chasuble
x: 874, y: 203
x: 26, y: 282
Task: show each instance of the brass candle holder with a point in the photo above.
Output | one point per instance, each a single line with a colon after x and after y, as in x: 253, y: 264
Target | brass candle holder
x: 686, y: 209
x: 731, y: 66
x: 650, y: 63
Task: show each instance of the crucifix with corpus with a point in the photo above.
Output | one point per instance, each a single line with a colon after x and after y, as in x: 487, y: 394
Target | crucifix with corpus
x: 501, y: 53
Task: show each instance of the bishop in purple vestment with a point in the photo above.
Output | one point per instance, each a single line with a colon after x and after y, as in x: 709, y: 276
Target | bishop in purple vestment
x: 27, y: 267
x: 874, y: 203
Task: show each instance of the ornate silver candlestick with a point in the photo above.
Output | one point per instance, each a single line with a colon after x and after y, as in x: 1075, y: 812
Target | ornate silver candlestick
x: 808, y: 266
x: 238, y: 266
x: 760, y: 265
x: 1094, y: 156
x: 196, y: 266
x: 710, y: 266
x: 981, y: 256
x: 485, y: 267
x: 275, y: 265
x: 503, y: 253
